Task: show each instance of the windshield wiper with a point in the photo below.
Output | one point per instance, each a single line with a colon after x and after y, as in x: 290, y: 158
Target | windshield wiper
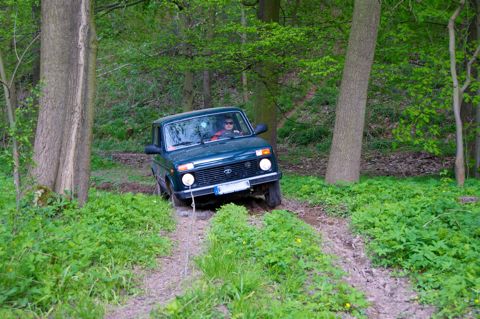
x: 183, y: 143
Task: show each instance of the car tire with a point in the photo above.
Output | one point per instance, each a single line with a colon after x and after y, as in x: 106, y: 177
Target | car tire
x: 159, y: 190
x: 176, y: 202
x: 273, y: 196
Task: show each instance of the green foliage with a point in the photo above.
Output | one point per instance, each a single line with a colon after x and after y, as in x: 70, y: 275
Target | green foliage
x: 420, y: 226
x: 273, y: 271
x: 60, y: 261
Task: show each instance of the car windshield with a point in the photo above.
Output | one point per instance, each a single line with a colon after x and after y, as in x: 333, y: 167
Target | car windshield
x: 205, y: 129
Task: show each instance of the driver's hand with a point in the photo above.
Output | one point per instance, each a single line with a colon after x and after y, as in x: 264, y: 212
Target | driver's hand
x: 236, y: 131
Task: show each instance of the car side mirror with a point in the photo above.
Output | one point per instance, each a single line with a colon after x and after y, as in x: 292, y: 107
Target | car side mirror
x: 152, y: 149
x: 261, y: 128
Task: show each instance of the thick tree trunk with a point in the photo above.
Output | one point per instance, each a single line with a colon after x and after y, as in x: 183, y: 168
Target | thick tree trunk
x: 63, y: 138
x: 267, y: 86
x: 345, y: 153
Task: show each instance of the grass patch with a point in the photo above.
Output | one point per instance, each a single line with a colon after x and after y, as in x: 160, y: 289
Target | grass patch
x: 418, y: 225
x: 275, y: 271
x: 61, y: 261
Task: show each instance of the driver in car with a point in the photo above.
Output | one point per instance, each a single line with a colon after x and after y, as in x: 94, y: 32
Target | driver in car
x: 227, y: 131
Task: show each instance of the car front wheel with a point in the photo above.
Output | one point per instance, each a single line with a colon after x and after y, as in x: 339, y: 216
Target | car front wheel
x: 273, y: 196
x: 176, y: 202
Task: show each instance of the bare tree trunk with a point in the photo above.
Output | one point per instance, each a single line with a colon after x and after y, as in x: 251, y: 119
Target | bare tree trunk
x: 459, y: 157
x: 12, y: 124
x: 82, y: 178
x: 244, y: 73
x: 345, y: 153
x: 267, y: 86
x: 62, y: 143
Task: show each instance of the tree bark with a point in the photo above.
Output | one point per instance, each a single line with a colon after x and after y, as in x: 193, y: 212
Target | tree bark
x: 476, y: 123
x: 459, y: 157
x: 10, y: 104
x: 266, y: 87
x: 244, y: 73
x: 345, y: 153
x: 63, y: 137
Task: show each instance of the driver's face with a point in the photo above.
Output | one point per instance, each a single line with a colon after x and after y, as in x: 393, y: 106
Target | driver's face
x: 228, y: 124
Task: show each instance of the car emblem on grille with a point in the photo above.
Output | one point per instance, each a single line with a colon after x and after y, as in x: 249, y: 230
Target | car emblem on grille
x: 228, y: 171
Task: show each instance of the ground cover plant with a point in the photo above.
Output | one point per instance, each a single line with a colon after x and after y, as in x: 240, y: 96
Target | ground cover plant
x: 60, y: 261
x: 276, y: 270
x: 425, y: 227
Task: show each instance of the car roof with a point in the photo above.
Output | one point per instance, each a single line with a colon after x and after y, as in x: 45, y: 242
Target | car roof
x: 184, y: 115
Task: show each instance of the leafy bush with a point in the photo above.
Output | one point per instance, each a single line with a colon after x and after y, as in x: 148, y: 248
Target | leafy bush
x: 61, y: 261
x: 275, y: 271
x: 425, y: 227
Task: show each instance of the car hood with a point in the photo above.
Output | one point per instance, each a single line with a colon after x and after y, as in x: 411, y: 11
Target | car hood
x: 219, y: 151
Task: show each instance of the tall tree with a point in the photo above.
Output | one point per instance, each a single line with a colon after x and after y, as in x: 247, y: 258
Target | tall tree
x: 266, y: 87
x: 345, y: 153
x: 458, y: 92
x: 64, y: 130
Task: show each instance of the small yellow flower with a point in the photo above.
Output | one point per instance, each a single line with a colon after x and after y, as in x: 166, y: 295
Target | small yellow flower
x: 244, y: 242
x: 477, y: 301
x: 347, y: 305
x: 298, y: 240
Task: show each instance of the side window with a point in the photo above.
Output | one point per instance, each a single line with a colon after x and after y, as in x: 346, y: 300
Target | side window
x: 156, y: 135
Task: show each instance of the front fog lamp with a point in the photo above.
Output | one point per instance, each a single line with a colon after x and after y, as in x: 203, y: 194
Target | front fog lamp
x: 265, y: 164
x: 188, y: 179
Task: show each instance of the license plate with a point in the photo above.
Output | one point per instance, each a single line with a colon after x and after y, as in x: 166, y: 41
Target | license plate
x: 231, y: 187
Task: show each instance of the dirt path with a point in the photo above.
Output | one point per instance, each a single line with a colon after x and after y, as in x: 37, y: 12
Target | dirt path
x: 390, y: 297
x: 175, y: 272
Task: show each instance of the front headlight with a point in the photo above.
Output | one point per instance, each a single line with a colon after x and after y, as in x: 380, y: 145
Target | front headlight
x: 265, y: 164
x: 188, y: 179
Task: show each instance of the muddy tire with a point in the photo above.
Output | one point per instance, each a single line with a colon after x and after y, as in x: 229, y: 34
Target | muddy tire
x: 176, y: 202
x: 273, y: 196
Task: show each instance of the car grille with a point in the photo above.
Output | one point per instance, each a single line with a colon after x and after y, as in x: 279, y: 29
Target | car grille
x: 226, y: 173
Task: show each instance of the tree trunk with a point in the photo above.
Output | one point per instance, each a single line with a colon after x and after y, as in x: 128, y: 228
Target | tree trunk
x: 345, y: 153
x: 266, y: 87
x: 476, y: 123
x: 459, y: 157
x: 244, y: 73
x: 63, y: 138
x: 12, y: 124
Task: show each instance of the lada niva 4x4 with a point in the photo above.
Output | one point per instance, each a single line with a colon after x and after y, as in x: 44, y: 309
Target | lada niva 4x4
x: 213, y: 152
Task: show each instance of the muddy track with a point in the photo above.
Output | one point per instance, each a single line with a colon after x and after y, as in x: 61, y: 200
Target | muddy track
x: 390, y: 297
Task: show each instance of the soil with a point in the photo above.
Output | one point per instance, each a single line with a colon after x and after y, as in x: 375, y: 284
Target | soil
x: 389, y: 296
x: 399, y: 164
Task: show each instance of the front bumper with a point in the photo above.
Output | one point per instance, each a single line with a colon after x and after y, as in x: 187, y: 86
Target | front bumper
x: 209, y: 190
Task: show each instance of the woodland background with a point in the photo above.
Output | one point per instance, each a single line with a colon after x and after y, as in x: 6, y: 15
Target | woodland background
x: 334, y: 80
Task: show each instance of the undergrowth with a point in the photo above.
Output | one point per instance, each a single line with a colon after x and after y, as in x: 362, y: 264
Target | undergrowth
x: 61, y: 261
x: 273, y: 271
x: 426, y: 228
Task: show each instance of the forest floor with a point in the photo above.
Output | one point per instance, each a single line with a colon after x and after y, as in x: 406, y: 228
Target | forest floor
x: 389, y: 296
